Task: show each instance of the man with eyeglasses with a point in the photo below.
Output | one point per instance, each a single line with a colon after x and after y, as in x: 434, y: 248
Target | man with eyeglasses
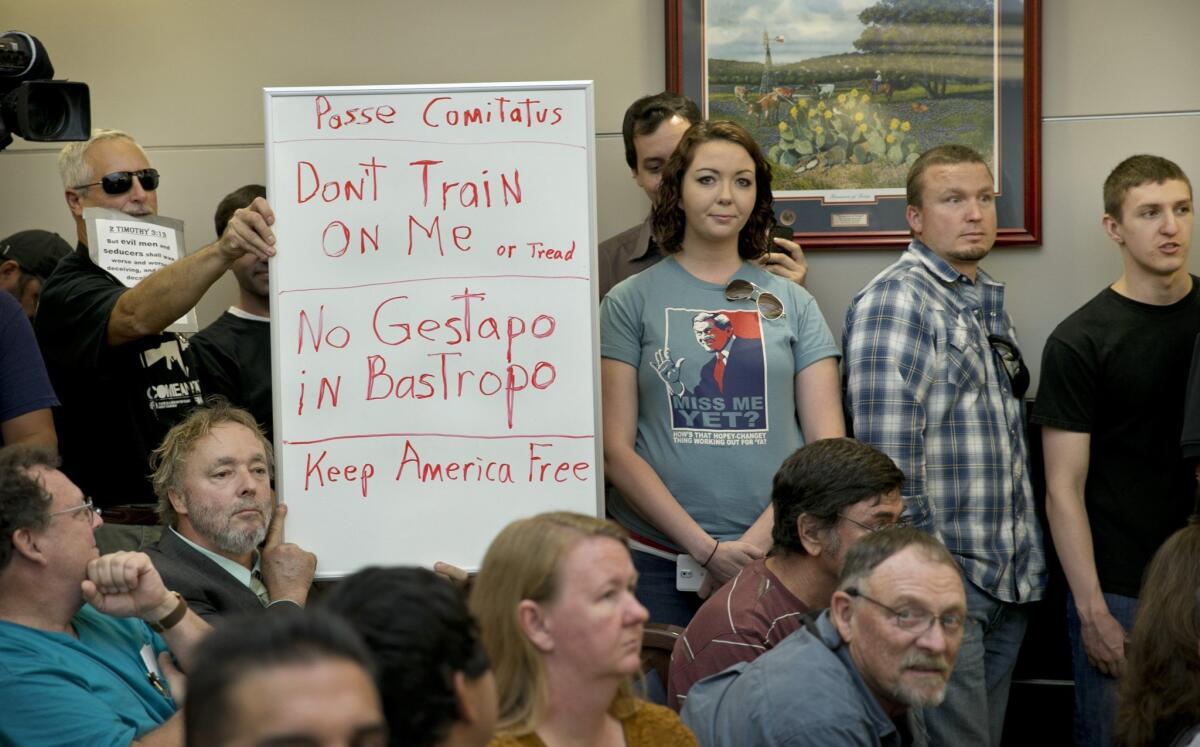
x: 122, y: 380
x: 826, y: 496
x: 858, y: 673
x: 1111, y: 406
x: 81, y: 657
x: 934, y: 379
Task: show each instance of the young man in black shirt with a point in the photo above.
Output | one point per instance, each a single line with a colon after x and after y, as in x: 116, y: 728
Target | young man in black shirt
x: 1111, y: 404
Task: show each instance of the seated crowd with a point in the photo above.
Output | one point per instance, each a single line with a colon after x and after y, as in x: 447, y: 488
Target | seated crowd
x: 93, y: 648
x: 859, y: 590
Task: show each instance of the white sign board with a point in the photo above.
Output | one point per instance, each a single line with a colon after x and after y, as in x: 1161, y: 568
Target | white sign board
x: 433, y: 315
x: 130, y: 248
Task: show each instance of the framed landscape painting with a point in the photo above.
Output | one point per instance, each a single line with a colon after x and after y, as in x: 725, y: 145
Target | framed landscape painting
x: 843, y: 95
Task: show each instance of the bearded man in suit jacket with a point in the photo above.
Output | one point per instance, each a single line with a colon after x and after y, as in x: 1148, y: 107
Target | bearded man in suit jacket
x: 212, y: 476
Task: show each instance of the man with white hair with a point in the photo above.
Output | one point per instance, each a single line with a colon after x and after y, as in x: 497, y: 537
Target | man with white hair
x: 212, y: 475
x: 861, y: 671
x: 114, y: 368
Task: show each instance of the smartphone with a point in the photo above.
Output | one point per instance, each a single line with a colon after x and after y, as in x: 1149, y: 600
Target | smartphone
x: 689, y: 575
x: 780, y: 232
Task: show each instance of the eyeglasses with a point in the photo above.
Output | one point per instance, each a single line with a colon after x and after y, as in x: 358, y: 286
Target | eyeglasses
x: 87, y: 503
x: 916, y: 621
x: 901, y: 522
x: 120, y: 182
x: 769, y: 305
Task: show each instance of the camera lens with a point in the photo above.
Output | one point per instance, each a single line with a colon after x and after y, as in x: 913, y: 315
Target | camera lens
x: 49, y: 108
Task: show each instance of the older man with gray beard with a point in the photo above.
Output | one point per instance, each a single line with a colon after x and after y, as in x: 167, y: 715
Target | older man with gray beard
x: 212, y: 477
x: 860, y: 672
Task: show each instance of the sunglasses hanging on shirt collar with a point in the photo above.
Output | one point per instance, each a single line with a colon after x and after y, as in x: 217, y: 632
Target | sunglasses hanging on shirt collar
x: 769, y: 305
x: 1014, y: 364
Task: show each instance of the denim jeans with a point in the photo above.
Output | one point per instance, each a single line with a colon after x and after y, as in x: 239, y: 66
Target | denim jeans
x: 977, y: 694
x: 1095, y: 692
x: 657, y: 593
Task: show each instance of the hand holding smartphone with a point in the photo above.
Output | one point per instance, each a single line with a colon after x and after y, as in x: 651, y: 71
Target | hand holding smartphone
x: 784, y: 256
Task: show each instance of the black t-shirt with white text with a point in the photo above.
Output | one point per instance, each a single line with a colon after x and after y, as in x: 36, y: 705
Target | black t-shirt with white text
x: 117, y: 402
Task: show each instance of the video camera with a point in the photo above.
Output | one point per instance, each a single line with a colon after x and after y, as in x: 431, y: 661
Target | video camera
x: 33, y: 106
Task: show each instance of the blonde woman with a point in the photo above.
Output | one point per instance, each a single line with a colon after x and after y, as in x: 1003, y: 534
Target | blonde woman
x: 555, y: 603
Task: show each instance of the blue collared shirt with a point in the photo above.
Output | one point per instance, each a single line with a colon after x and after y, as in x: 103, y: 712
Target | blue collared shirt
x: 924, y: 386
x: 805, y: 692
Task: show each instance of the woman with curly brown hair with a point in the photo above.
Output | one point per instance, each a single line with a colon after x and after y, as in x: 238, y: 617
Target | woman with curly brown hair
x: 1159, y: 694
x: 713, y: 372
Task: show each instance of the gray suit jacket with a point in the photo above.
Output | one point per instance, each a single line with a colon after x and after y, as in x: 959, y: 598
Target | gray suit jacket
x: 209, y: 589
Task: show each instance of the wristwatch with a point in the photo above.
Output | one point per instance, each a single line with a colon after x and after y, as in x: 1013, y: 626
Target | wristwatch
x: 173, y: 617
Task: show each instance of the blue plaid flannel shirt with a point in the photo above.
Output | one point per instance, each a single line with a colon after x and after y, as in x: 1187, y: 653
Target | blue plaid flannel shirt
x: 924, y: 386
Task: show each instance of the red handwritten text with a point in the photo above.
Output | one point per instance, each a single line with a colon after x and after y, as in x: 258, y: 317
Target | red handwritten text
x: 355, y: 115
x: 350, y: 190
x: 528, y: 112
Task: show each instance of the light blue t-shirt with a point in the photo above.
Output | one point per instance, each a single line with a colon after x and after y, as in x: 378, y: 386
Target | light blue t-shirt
x: 94, y: 690
x: 728, y: 381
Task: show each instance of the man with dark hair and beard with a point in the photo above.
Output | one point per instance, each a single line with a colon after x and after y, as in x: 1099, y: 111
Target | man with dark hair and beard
x: 861, y: 671
x: 212, y: 475
x: 826, y: 496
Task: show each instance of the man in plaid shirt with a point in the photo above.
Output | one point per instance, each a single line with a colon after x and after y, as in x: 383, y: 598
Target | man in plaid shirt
x: 934, y: 379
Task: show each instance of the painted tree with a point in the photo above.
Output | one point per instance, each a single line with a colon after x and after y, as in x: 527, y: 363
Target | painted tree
x: 930, y: 42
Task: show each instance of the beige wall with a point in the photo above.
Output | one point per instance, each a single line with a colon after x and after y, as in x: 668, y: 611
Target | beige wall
x: 186, y: 79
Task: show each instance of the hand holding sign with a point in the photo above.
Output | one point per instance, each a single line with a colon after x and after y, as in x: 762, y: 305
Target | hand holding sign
x: 249, y: 232
x: 287, y: 568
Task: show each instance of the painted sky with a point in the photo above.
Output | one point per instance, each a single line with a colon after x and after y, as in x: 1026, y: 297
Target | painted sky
x: 810, y: 28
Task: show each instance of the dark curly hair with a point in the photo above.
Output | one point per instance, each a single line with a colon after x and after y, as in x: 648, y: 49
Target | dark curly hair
x: 421, y: 633
x: 24, y: 501
x: 1157, y: 697
x: 668, y: 218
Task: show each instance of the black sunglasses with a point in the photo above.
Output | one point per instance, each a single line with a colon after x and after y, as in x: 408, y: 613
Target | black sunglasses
x: 1014, y: 364
x: 120, y: 182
